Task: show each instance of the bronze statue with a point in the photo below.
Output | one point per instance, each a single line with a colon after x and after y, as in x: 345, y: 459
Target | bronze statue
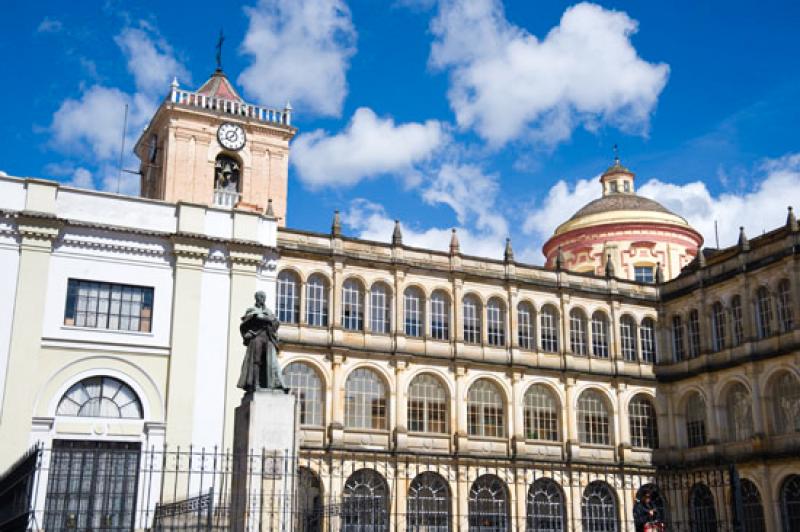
x: 259, y: 331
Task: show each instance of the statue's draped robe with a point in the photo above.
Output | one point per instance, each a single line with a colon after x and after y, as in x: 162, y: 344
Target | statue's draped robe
x: 260, y: 367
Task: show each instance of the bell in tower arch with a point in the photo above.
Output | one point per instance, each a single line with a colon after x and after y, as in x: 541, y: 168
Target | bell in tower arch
x: 226, y: 174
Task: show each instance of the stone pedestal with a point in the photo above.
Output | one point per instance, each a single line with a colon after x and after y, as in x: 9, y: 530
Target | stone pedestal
x: 265, y: 462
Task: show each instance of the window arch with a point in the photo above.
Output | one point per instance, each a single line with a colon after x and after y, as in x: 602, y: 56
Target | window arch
x: 627, y: 336
x: 678, y: 351
x: 702, y: 513
x: 496, y: 322
x: 548, y: 329
x: 785, y: 314
x: 546, y: 511
x: 305, y: 384
x: 752, y: 508
x: 763, y: 312
x: 599, y: 334
x: 309, y: 501
x: 365, y: 400
x: 785, y: 391
x: 427, y: 405
x: 594, y: 421
x: 643, y: 422
x: 100, y: 397
x: 365, y: 502
x: 647, y: 337
x: 428, y: 504
x: 352, y: 305
x: 718, y: 326
x: 413, y: 312
x: 790, y: 503
x: 227, y: 180
x: 541, y: 413
x: 288, y: 297
x: 695, y: 420
x: 440, y: 315
x: 693, y: 329
x: 657, y: 500
x: 525, y: 331
x: 599, y: 508
x: 485, y: 410
x: 577, y: 332
x: 317, y: 301
x: 738, y: 321
x: 380, y: 304
x: 739, y: 410
x: 488, y: 504
x: 472, y: 319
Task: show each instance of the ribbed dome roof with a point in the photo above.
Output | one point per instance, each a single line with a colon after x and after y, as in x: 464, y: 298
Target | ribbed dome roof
x: 620, y: 202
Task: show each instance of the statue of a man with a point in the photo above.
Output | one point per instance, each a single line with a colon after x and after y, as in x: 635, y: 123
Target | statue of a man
x: 259, y: 329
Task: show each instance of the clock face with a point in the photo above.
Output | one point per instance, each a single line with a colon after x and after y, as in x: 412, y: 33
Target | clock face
x: 231, y: 136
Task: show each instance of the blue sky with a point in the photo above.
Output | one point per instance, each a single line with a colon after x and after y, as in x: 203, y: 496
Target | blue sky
x: 492, y: 117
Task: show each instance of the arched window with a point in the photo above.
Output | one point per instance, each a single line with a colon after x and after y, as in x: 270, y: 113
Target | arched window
x: 365, y: 400
x: 365, y: 502
x: 545, y: 509
x: 485, y: 412
x: 627, y: 336
x: 548, y: 328
x: 702, y: 514
x: 737, y: 319
x: 752, y: 509
x: 718, y: 326
x: 472, y: 319
x: 577, y: 332
x: 739, y: 409
x: 677, y: 339
x: 440, y: 315
x: 427, y: 405
x: 695, y: 420
x: 790, y: 503
x: 599, y: 335
x: 227, y: 181
x: 309, y: 501
x: 693, y: 327
x: 100, y: 397
x: 496, y: 322
x: 413, y: 305
x: 352, y: 305
x: 785, y: 314
x: 380, y: 309
x: 317, y: 301
x: 599, y: 508
x: 288, y: 297
x: 785, y: 391
x: 525, y: 330
x: 647, y: 337
x: 643, y: 423
x: 428, y: 504
x: 305, y: 384
x: 541, y: 414
x: 763, y: 312
x: 593, y: 419
x: 488, y: 505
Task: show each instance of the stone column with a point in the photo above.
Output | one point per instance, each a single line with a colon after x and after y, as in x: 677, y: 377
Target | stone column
x: 336, y: 423
x: 570, y: 424
x: 517, y: 428
x: 400, y: 405
x: 461, y: 409
x: 760, y: 428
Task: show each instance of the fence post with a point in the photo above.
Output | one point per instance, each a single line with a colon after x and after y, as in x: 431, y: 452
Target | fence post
x: 736, y: 499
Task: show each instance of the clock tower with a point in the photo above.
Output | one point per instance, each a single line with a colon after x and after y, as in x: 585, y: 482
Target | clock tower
x: 209, y: 146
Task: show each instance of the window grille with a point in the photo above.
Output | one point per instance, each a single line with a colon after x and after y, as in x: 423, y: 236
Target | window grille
x: 472, y: 320
x: 677, y: 339
x: 496, y: 322
x: 643, y: 423
x: 752, y: 509
x: 738, y: 323
x: 785, y: 315
x: 488, y: 505
x: 763, y: 313
x: 440, y: 316
x: 379, y: 310
x: 525, y: 333
x: 739, y: 413
x: 577, y: 332
x: 693, y: 327
x: 317, y: 301
x: 412, y: 305
x: 599, y: 335
x: 549, y: 329
x: 627, y: 336
x: 365, y: 503
x: 643, y: 274
x: 599, y: 508
x: 718, y: 326
x: 702, y: 515
x: 288, y: 297
x: 593, y: 419
x: 485, y: 410
x: 305, y: 384
x: 545, y: 509
x: 647, y: 337
x: 695, y: 421
x: 100, y: 397
x: 352, y: 306
x: 541, y: 414
x: 428, y: 504
x: 365, y: 400
x: 786, y: 403
x: 117, y: 307
x: 790, y: 503
x: 427, y: 405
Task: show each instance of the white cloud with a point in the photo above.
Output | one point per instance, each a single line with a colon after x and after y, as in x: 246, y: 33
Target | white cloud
x: 368, y: 147
x: 151, y: 60
x: 81, y: 178
x: 561, y: 202
x: 505, y: 83
x: 50, y: 25
x: 301, y: 52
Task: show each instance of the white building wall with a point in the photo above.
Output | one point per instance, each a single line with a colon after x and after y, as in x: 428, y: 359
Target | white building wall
x: 9, y: 266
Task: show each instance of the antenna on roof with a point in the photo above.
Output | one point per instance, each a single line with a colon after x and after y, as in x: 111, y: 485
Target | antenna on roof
x: 122, y: 147
x: 716, y: 233
x: 219, y: 49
